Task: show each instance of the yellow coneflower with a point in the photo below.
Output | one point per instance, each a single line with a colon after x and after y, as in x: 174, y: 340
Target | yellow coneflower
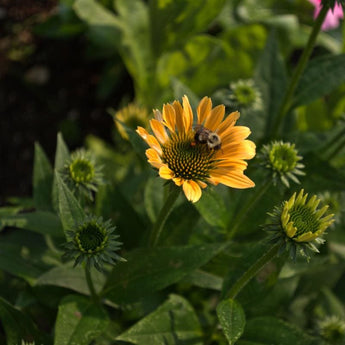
x: 211, y: 151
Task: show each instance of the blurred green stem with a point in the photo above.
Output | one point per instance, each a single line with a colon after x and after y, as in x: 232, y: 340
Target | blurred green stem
x: 252, y: 271
x: 287, y: 101
x: 93, y: 293
x: 240, y: 216
x: 334, y: 146
x: 163, y: 215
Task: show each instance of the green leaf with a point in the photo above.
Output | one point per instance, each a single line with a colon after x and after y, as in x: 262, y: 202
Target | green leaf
x: 174, y: 322
x: 271, y: 78
x: 61, y: 157
x: 180, y: 89
x: 320, y: 181
x: 174, y: 22
x: 69, y: 208
x: 79, y: 321
x: 62, y: 153
x: 205, y: 280
x: 17, y: 325
x: 13, y: 262
x: 45, y: 223
x: 42, y: 179
x: 71, y: 278
x: 104, y: 27
x: 112, y: 204
x: 321, y: 76
x: 232, y: 319
x: 136, y: 45
x: 212, y: 208
x: 149, y: 270
x: 269, y: 330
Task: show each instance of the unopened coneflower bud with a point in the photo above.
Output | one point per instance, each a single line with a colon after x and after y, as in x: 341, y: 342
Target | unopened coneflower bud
x: 332, y: 329
x: 132, y: 116
x: 82, y: 174
x: 245, y: 95
x: 283, y: 161
x: 299, y: 224
x: 93, y: 242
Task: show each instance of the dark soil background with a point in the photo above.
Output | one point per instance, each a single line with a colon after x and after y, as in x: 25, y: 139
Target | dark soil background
x: 46, y: 85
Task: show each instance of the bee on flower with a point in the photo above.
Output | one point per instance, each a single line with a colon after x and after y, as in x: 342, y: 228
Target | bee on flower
x: 211, y: 151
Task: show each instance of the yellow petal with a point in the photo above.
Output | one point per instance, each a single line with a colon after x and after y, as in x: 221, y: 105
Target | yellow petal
x: 153, y: 142
x: 233, y: 134
x: 178, y: 181
x: 159, y: 131
x: 244, y: 150
x: 142, y: 132
x: 166, y: 173
x: 191, y: 190
x: 230, y: 121
x: 204, y: 109
x: 153, y: 158
x: 235, y: 179
x: 178, y: 115
x: 306, y: 237
x: 227, y: 165
x: 202, y: 184
x: 169, y: 117
x: 187, y: 114
x: 215, y: 117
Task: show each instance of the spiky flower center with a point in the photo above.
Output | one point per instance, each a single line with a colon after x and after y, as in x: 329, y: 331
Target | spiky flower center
x: 304, y: 219
x: 82, y: 170
x: 187, y: 158
x: 91, y: 238
x: 283, y: 157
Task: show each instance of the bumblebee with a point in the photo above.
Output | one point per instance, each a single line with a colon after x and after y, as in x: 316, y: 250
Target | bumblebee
x: 205, y: 136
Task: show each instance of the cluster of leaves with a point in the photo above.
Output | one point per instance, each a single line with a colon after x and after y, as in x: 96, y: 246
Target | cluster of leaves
x: 177, y: 293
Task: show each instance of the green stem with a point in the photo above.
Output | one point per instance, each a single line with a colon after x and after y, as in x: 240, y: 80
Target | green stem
x: 240, y: 216
x: 162, y: 217
x: 287, y: 101
x: 252, y: 271
x: 93, y: 293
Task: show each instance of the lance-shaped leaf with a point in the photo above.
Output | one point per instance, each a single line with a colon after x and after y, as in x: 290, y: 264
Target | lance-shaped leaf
x: 42, y: 180
x: 69, y: 208
x: 79, y: 321
x: 232, y: 319
x: 150, y: 270
x: 174, y: 322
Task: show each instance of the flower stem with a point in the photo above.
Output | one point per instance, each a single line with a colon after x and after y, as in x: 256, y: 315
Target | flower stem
x: 93, y: 293
x: 162, y: 217
x: 240, y: 216
x: 252, y: 271
x: 287, y: 101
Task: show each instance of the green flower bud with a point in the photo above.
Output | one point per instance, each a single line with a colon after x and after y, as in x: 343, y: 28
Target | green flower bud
x: 82, y: 174
x: 332, y: 329
x: 283, y: 161
x: 245, y: 95
x: 93, y: 242
x: 299, y: 224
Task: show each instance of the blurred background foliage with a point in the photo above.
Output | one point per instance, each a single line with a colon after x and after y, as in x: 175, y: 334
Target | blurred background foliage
x: 63, y: 63
x: 68, y: 66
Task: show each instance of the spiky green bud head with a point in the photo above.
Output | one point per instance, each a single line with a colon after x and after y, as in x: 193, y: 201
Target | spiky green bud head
x: 283, y: 161
x: 332, y: 329
x: 245, y: 95
x: 299, y: 224
x: 82, y: 173
x: 93, y: 242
